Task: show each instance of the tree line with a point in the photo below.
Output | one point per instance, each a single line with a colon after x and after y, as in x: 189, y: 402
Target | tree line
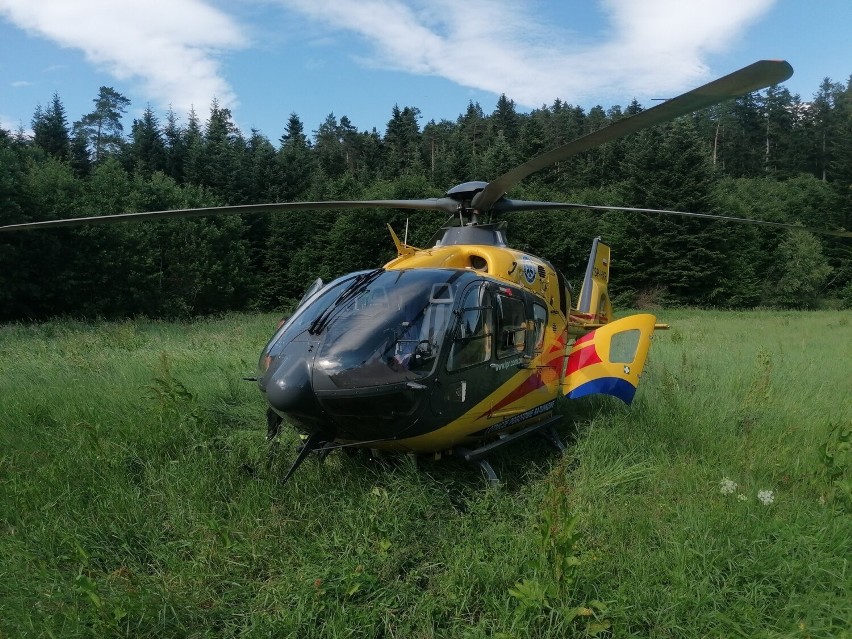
x: 767, y: 155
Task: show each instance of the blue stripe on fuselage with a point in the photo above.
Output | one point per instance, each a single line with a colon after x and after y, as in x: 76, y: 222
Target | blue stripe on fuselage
x: 614, y: 386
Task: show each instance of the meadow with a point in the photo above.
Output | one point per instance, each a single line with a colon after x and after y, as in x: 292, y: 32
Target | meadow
x: 138, y: 497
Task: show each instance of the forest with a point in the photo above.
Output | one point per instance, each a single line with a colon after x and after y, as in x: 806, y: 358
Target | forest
x: 768, y: 155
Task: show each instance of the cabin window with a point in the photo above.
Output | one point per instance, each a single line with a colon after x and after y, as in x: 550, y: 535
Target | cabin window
x: 472, y: 338
x: 540, y: 320
x: 623, y: 346
x: 511, y: 326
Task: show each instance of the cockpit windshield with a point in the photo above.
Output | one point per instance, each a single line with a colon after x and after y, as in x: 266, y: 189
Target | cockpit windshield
x: 316, y: 301
x: 389, y: 330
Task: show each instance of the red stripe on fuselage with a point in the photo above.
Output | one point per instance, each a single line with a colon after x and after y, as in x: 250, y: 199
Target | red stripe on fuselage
x: 582, y: 358
x: 531, y: 383
x: 547, y: 373
x: 588, y: 337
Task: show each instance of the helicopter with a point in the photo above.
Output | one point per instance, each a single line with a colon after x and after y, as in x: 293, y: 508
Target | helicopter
x: 463, y: 347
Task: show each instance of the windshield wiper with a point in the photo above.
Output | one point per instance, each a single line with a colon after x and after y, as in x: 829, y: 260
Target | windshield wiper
x: 351, y: 291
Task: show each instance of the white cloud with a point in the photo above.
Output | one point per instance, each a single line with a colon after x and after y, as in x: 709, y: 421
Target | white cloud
x: 652, y: 47
x: 12, y: 125
x: 169, y: 47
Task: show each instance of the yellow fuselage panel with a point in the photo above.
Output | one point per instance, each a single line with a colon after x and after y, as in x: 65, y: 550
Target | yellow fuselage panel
x: 508, y: 265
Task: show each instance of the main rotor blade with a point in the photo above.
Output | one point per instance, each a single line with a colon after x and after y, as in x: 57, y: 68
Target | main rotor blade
x: 444, y: 204
x: 505, y: 206
x: 751, y: 78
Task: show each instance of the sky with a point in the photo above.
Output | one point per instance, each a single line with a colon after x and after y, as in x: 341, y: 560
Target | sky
x: 266, y: 59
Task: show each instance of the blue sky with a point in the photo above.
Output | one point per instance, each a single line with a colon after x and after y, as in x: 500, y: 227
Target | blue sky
x: 267, y: 58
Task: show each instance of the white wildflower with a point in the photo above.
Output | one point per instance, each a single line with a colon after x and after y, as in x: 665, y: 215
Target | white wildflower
x: 742, y: 497
x: 766, y: 497
x: 727, y: 486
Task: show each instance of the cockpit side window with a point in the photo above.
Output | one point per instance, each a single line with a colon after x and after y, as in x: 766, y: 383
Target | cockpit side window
x: 540, y: 321
x: 511, y: 326
x: 473, y: 334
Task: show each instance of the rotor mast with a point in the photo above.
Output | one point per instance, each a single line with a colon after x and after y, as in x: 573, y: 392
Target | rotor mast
x: 465, y: 194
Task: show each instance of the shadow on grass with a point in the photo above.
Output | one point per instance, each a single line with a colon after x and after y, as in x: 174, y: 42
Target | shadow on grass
x: 516, y: 465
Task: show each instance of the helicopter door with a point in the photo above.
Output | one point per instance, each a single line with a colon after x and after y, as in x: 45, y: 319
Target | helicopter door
x: 472, y: 339
x: 610, y: 359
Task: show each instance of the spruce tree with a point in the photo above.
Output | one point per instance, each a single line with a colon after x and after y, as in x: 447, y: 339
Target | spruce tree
x: 295, y: 162
x: 146, y: 152
x: 50, y: 129
x: 505, y: 118
x: 402, y: 142
x: 175, y: 147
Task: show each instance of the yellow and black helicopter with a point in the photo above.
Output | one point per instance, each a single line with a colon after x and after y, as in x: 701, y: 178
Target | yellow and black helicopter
x: 465, y: 346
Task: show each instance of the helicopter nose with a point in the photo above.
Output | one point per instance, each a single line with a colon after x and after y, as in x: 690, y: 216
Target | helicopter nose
x: 287, y: 381
x: 289, y: 386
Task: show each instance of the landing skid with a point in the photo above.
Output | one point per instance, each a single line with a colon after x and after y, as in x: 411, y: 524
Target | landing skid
x: 318, y: 443
x: 544, y: 428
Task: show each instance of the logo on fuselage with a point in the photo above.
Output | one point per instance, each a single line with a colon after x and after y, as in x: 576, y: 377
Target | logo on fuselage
x: 508, y: 364
x: 529, y: 268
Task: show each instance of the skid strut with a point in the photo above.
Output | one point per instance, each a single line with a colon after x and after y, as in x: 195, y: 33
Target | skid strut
x: 479, y: 455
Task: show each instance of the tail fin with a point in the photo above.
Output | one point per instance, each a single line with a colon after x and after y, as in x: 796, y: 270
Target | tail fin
x: 594, y: 298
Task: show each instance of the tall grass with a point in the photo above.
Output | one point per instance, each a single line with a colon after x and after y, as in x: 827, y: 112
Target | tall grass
x: 137, y: 498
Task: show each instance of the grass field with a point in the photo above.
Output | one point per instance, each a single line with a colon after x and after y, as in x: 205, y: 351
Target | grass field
x: 137, y: 498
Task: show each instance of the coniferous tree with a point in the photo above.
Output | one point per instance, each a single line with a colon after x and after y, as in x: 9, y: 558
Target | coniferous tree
x: 329, y: 149
x: 505, y: 118
x: 101, y: 264
x: 437, y: 141
x: 193, y: 158
x: 780, y: 118
x: 369, y: 159
x: 469, y: 144
x: 567, y: 124
x: 819, y: 124
x: 743, y: 145
x: 536, y: 137
x: 81, y: 159
x: 260, y: 168
x: 175, y: 147
x: 260, y: 175
x: 498, y: 158
x: 350, y: 142
x: 295, y: 163
x: 291, y: 244
x: 146, y: 151
x: 222, y: 151
x: 50, y: 129
x: 839, y: 157
x: 594, y: 162
x: 841, y: 169
x: 402, y: 142
x: 102, y: 128
x: 51, y: 190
